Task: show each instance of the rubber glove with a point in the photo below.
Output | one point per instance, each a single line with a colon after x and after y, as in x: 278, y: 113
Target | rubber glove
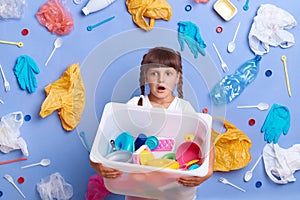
x: 25, y: 70
x: 276, y: 122
x: 190, y: 33
x: 67, y: 96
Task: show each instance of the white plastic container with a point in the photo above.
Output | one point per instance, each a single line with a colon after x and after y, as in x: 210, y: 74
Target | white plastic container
x: 147, y: 181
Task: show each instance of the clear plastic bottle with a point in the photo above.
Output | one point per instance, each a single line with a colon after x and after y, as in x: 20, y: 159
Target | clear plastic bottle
x: 96, y: 5
x: 231, y: 86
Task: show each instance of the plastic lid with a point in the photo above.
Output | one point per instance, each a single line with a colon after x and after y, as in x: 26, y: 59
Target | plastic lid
x: 85, y: 11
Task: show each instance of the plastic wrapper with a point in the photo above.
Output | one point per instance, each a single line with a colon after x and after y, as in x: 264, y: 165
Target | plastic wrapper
x: 12, y: 9
x: 231, y: 148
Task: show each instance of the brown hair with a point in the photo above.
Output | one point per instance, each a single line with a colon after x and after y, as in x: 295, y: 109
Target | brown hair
x: 161, y: 57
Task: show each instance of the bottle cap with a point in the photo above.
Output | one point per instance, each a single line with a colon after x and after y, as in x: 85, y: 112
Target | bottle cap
x: 85, y: 11
x: 152, y: 142
x: 139, y: 141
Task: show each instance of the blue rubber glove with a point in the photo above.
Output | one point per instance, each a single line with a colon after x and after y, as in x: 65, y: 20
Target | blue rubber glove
x: 25, y: 70
x: 190, y: 33
x: 276, y: 122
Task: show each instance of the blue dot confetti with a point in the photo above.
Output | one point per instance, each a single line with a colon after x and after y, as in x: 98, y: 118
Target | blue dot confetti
x: 27, y: 118
x: 188, y: 8
x: 268, y: 73
x: 258, y: 184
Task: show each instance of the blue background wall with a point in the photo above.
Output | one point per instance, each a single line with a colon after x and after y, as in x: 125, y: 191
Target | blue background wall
x: 117, y: 80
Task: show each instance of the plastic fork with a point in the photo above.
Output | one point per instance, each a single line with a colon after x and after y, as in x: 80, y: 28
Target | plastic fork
x: 6, y: 83
x: 225, y: 181
x: 223, y: 64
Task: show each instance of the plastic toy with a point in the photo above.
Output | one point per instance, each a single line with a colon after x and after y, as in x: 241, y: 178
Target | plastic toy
x: 119, y: 155
x: 186, y: 152
x: 125, y: 141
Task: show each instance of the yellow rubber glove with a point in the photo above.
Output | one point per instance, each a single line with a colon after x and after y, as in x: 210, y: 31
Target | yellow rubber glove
x: 152, y: 9
x: 67, y: 96
x: 231, y: 148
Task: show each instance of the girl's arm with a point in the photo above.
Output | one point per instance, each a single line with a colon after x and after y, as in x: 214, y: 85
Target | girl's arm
x: 105, y: 172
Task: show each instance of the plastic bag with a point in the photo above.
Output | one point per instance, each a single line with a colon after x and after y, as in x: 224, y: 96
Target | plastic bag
x: 54, y: 187
x: 12, y: 9
x: 231, y: 148
x: 231, y: 86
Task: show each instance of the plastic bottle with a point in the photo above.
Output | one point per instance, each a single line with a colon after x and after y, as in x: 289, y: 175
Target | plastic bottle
x: 96, y: 5
x: 231, y: 86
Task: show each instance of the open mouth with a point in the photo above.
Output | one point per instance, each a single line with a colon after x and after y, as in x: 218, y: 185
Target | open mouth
x: 161, y: 88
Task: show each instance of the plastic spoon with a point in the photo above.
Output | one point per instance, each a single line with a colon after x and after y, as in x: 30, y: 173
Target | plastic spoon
x: 231, y: 45
x: 57, y: 43
x: 43, y: 162
x: 11, y: 180
x: 260, y: 106
x: 248, y: 174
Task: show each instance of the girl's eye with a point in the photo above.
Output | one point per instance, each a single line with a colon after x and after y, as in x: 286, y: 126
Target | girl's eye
x: 169, y: 73
x: 153, y: 73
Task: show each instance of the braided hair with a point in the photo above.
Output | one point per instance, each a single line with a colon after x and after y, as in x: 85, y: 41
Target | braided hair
x: 158, y: 57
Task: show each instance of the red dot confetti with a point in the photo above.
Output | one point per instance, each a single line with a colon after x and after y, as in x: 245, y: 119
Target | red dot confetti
x: 251, y: 122
x: 25, y: 32
x: 21, y: 180
x: 219, y: 29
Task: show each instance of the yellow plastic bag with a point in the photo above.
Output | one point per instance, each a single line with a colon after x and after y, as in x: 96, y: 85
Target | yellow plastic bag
x: 67, y: 96
x: 152, y: 9
x: 231, y: 148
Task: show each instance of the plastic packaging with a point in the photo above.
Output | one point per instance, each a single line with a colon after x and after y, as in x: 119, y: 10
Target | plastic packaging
x: 96, y: 5
x: 231, y: 86
x: 12, y: 9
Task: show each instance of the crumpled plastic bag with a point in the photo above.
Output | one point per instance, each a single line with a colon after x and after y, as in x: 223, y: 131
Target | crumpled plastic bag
x: 232, y: 148
x: 152, y: 9
x: 67, y: 95
x: 269, y: 29
x: 96, y: 188
x: 281, y: 164
x: 10, y: 135
x: 55, y: 17
x: 54, y: 187
x: 12, y: 9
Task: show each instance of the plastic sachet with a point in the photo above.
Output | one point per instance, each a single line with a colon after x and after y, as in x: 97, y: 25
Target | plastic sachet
x: 10, y: 134
x: 281, y: 164
x: 269, y: 28
x: 231, y: 86
x: 54, y: 187
x: 232, y: 148
x: 152, y: 9
x: 12, y: 9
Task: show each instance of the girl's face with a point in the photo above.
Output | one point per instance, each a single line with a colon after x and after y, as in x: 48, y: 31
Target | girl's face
x: 161, y: 81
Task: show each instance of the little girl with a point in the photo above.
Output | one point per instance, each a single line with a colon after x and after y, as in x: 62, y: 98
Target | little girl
x: 161, y: 70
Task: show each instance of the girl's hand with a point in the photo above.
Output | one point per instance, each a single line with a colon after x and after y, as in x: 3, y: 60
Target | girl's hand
x: 191, y: 181
x: 105, y: 171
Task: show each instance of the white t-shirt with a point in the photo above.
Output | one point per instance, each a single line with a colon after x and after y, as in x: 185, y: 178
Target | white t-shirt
x: 178, y: 104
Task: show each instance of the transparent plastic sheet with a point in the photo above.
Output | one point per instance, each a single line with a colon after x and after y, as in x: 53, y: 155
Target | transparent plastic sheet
x: 12, y: 9
x: 54, y: 187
